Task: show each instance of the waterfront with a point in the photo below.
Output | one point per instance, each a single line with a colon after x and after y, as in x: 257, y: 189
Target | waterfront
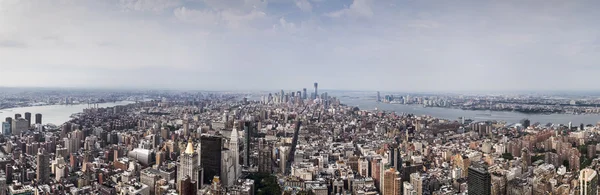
x: 477, y: 115
x: 54, y: 114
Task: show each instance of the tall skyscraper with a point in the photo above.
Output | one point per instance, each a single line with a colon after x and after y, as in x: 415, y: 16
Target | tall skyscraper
x: 38, y: 118
x: 378, y: 97
x: 316, y: 91
x: 265, y: 164
x: 248, y: 125
x: 6, y: 129
x: 186, y: 126
x: 479, y: 180
x: 304, y: 94
x: 211, y: 156
x: 234, y: 147
x: 588, y: 182
x: 390, y: 182
x: 43, y: 166
x: 28, y: 118
x: 188, y: 166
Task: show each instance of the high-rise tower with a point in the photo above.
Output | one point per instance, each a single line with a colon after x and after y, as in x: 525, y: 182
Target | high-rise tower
x: 43, y: 166
x: 247, y: 138
x: 316, y: 91
x: 28, y: 118
x: 38, y: 118
x: 304, y: 94
x: 234, y: 147
x: 588, y: 182
x: 479, y: 180
x: 188, y: 166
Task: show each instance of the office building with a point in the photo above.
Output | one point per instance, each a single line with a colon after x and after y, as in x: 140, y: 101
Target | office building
x: 304, y: 94
x: 211, y: 156
x: 479, y: 180
x: 378, y: 97
x: 19, y: 125
x: 265, y: 152
x: 408, y: 189
x: 6, y: 129
x: 417, y: 182
x: 150, y: 177
x: 588, y: 182
x: 391, y: 180
x: 43, y: 167
x: 38, y: 118
x: 316, y: 91
x: 28, y: 118
x: 248, y: 127
x: 188, y: 166
x: 234, y: 149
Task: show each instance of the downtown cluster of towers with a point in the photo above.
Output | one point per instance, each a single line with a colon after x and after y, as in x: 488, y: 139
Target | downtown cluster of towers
x: 19, y: 124
x: 297, y: 96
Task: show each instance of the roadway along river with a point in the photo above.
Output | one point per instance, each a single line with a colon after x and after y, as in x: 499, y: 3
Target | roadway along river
x: 454, y: 114
x: 55, y: 114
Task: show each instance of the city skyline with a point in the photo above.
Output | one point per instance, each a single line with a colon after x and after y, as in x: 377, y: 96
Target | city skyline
x: 258, y: 44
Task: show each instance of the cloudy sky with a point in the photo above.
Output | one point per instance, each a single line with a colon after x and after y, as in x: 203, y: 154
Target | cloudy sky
x: 394, y: 45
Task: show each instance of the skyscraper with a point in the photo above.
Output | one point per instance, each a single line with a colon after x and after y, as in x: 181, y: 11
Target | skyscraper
x: 378, y: 97
x: 6, y: 129
x: 43, y: 166
x: 588, y: 182
x: 18, y: 125
x: 211, y: 156
x: 417, y: 182
x: 188, y: 166
x: 479, y: 180
x: 316, y: 91
x: 38, y: 118
x: 265, y: 165
x: 28, y: 118
x: 247, y: 137
x: 390, y: 185
x: 304, y: 94
x: 234, y: 147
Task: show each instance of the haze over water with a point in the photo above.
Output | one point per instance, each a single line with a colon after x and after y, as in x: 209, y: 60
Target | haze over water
x: 55, y: 114
x: 454, y: 114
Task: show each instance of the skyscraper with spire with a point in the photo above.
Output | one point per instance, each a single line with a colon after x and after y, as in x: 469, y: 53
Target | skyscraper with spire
x: 189, y: 166
x: 234, y: 148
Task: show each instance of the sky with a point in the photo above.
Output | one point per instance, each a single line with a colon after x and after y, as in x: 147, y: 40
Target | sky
x: 387, y: 45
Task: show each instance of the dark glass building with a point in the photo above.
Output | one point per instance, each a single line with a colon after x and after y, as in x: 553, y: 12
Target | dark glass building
x: 38, y: 118
x: 28, y: 118
x: 479, y: 180
x: 211, y: 156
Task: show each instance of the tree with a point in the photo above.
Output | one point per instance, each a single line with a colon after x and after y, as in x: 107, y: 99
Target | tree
x: 265, y: 184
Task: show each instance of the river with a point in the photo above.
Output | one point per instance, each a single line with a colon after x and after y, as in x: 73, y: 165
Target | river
x: 55, y: 114
x: 454, y: 114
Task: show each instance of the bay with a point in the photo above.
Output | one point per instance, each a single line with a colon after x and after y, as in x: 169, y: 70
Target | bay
x: 477, y: 115
x: 54, y: 114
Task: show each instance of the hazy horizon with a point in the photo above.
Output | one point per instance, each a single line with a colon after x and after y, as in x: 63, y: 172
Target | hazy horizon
x: 249, y: 45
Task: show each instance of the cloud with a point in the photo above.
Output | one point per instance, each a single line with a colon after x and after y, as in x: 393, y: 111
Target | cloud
x: 304, y: 5
x: 12, y: 44
x: 149, y: 5
x: 365, y: 44
x: 358, y: 9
